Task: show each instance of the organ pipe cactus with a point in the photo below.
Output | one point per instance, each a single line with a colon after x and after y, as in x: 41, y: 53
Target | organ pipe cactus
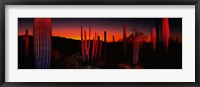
x: 85, y: 45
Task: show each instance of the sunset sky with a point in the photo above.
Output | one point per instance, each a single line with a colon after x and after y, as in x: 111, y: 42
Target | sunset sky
x: 71, y: 27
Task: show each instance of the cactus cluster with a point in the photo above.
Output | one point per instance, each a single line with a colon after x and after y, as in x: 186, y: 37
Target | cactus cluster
x: 90, y: 51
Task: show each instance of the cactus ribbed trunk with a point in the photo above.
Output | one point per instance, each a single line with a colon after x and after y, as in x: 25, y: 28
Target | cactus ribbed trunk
x: 153, y: 39
x: 26, y: 46
x: 42, y: 34
x: 85, y: 40
x: 165, y: 32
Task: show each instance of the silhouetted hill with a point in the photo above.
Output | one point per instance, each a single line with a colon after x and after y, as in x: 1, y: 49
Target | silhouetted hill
x: 66, y: 53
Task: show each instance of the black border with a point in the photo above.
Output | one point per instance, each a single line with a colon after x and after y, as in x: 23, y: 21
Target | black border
x: 98, y: 2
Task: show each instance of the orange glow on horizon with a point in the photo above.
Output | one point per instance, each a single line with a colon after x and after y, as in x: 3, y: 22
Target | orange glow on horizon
x: 76, y: 34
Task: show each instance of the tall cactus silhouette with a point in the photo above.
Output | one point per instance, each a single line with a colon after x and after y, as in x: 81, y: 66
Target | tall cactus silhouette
x: 100, y: 47
x: 26, y: 45
x: 42, y: 34
x: 153, y: 39
x: 165, y: 32
x: 113, y: 38
x: 96, y: 46
x: 124, y: 38
x: 93, y: 47
x: 105, y: 42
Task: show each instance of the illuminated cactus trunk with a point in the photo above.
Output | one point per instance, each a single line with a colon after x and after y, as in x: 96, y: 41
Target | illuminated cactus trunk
x: 136, y: 48
x: 85, y: 44
x: 26, y: 45
x: 153, y: 39
x: 42, y: 33
x: 82, y: 44
x: 165, y: 32
x: 95, y: 46
x: 88, y: 47
x: 124, y: 38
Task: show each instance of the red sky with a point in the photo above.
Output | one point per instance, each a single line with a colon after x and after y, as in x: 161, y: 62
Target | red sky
x: 71, y: 28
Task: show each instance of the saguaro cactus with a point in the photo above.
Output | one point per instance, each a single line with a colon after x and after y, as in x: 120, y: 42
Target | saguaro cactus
x: 165, y: 32
x: 153, y: 39
x: 105, y: 48
x: 42, y: 33
x: 105, y: 36
x: 26, y: 45
x: 124, y: 38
